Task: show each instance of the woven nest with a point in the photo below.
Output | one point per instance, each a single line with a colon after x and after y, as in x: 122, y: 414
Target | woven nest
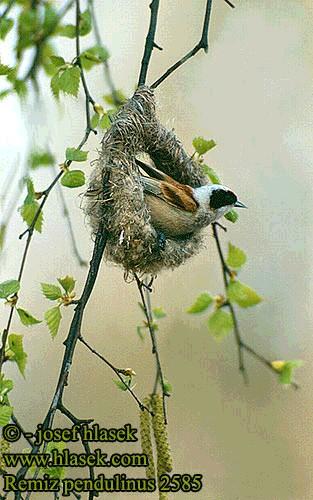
x: 119, y: 200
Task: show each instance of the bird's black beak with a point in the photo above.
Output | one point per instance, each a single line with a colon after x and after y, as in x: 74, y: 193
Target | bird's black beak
x: 238, y: 204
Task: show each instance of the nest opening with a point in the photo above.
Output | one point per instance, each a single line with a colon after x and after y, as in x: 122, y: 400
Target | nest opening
x: 132, y: 240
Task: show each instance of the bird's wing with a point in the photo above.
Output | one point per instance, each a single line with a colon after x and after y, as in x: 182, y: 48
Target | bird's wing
x: 179, y: 196
x: 155, y: 173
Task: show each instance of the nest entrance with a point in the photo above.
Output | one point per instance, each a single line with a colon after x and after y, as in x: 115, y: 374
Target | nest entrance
x: 132, y: 240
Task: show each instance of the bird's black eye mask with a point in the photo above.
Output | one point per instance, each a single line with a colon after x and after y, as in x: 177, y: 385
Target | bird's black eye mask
x: 221, y: 198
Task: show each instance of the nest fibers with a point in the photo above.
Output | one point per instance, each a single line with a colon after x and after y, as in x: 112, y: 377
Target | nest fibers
x: 120, y: 205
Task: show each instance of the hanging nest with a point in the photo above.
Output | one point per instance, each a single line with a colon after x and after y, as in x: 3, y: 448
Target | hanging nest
x: 115, y: 193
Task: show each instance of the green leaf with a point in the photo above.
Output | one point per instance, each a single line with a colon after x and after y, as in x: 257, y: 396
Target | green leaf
x: 55, y: 472
x: 92, y: 56
x: 54, y: 85
x: 203, y: 301
x: 232, y: 216
x: 158, y: 313
x: 6, y: 24
x: 105, y: 122
x: 53, y: 318
x: 73, y: 179
x: 6, y: 386
x: 121, y: 385
x: 51, y: 292
x: 5, y: 414
x: 68, y: 80
x: 67, y: 283
x: 3, y: 229
x: 85, y: 23
x: 68, y: 30
x: 167, y: 387
x: 139, y: 332
x: 40, y: 158
x: 242, y: 294
x: 9, y: 287
x: 118, y: 96
x: 212, y: 175
x: 19, y: 355
x: 202, y: 145
x: 57, y: 61
x: 26, y: 318
x: 285, y: 369
x: 220, y: 323
x: 5, y: 70
x: 51, y: 19
x: 94, y: 120
x: 29, y: 211
x: 73, y: 154
x: 20, y: 88
x: 236, y: 257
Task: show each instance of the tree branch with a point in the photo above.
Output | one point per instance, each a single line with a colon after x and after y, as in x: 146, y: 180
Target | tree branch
x: 118, y: 372
x: 155, y: 351
x: 241, y: 345
x: 202, y: 44
x: 150, y: 44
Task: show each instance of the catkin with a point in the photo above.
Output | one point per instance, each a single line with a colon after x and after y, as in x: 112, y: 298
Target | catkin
x: 4, y: 448
x: 146, y: 441
x: 164, y: 457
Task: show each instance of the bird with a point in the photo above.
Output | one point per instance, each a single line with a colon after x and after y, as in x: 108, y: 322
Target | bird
x: 178, y: 210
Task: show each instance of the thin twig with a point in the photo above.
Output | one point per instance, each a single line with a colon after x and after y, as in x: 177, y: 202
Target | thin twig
x: 202, y: 44
x: 154, y: 343
x: 226, y: 272
x: 85, y: 444
x: 66, y: 213
x: 150, y: 43
x: 230, y: 4
x: 241, y: 345
x: 117, y: 371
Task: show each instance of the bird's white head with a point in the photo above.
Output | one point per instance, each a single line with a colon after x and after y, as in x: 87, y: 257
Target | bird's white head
x: 216, y: 200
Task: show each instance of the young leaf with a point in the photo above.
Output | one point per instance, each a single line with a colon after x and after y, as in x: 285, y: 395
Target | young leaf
x: 67, y: 283
x: 118, y: 96
x: 285, y: 369
x: 242, y: 294
x: 26, y: 318
x: 5, y: 414
x: 6, y: 24
x: 220, y: 323
x: 53, y: 318
x: 85, y: 23
x: 236, y: 257
x: 29, y: 212
x: 5, y: 70
x: 57, y: 61
x: 94, y: 55
x: 105, y: 121
x: 68, y: 80
x: 94, y: 120
x: 19, y: 355
x: 67, y: 30
x: 54, y: 85
x: 139, y: 332
x: 167, y: 387
x: 40, y: 158
x: 203, y: 301
x: 232, y: 216
x: 9, y: 287
x: 202, y: 146
x: 158, y: 313
x: 212, y: 175
x: 73, y: 179
x: 51, y: 292
x: 73, y: 154
x: 121, y: 385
